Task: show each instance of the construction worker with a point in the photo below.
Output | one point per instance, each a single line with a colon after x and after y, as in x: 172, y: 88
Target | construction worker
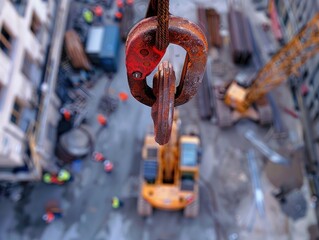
x: 98, y: 156
x: 102, y: 120
x: 48, y: 217
x: 116, y: 203
x: 123, y: 96
x: 98, y: 11
x: 108, y: 166
x: 52, y: 178
x: 53, y: 211
x: 64, y: 175
x: 66, y: 114
x: 47, y: 178
x: 120, y: 3
x: 118, y: 16
x: 88, y: 16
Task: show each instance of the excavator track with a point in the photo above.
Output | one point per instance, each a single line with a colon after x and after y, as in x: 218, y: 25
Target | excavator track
x: 192, y: 210
x: 144, y: 209
x: 223, y: 112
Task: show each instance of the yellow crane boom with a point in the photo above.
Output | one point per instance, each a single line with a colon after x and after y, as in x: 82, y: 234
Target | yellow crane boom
x: 284, y: 64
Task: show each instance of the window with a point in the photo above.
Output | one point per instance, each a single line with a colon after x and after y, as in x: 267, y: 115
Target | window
x: 16, y: 112
x: 31, y: 69
x: 5, y: 145
x: 6, y: 41
x: 189, y: 154
x: 35, y: 25
x: 285, y: 19
x: 27, y: 65
x: 20, y: 6
x: 20, y: 115
x: 300, y: 18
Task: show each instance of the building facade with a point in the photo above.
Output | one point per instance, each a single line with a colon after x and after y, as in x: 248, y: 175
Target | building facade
x: 27, y: 35
x: 293, y: 15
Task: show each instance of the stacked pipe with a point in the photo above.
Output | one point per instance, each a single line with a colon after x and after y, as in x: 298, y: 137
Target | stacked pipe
x: 241, y: 43
x: 213, y: 23
x: 204, y: 90
x: 204, y: 98
x: 201, y: 15
x: 127, y: 21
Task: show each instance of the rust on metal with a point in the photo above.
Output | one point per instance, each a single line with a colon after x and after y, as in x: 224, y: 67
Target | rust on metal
x: 142, y: 57
x: 163, y: 108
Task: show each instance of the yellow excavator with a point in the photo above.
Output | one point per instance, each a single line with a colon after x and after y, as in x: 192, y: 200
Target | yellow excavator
x: 233, y: 102
x: 170, y: 173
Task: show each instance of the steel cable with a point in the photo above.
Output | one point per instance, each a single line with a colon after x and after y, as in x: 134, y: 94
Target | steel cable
x: 162, y: 35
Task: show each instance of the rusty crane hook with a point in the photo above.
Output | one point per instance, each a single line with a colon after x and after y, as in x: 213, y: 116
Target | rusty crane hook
x: 142, y: 57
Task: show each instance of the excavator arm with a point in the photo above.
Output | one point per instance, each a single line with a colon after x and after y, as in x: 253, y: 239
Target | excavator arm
x: 286, y: 63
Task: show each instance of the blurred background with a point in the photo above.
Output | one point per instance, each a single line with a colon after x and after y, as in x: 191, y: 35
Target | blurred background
x: 78, y: 158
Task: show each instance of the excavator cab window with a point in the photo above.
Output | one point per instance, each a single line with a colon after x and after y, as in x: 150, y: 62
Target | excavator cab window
x: 152, y: 153
x: 189, y: 154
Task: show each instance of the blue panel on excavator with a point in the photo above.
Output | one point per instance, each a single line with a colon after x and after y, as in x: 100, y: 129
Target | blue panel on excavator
x: 150, y: 170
